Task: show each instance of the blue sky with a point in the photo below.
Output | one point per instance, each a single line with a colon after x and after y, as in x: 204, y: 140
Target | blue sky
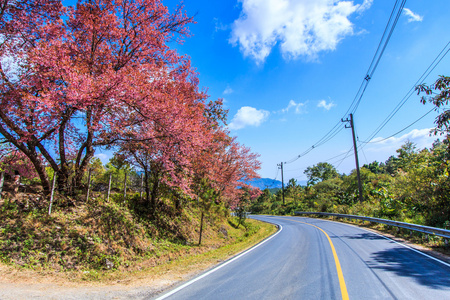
x: 289, y: 70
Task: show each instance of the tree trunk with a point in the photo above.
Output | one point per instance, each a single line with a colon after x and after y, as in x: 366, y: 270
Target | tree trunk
x: 63, y: 173
x: 62, y: 178
x: 40, y: 169
x: 147, y: 186
x: 201, y: 230
x: 155, y: 188
x: 81, y: 164
x: 125, y: 188
x: 81, y: 169
x: 177, y: 203
x: 142, y: 186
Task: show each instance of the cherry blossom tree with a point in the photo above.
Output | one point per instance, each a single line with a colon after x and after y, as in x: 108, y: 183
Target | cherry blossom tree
x: 77, y: 78
x: 12, y: 160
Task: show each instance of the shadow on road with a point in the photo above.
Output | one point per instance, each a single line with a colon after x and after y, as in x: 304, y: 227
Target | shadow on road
x: 364, y: 236
x: 404, y: 262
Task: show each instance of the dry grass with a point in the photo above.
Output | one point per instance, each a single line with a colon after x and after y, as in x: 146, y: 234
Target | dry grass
x: 74, y: 245
x: 155, y: 278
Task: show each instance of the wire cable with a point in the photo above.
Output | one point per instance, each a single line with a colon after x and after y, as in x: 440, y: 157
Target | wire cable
x: 346, y: 156
x: 390, y: 26
x: 408, y: 95
x: 389, y: 29
x: 400, y: 131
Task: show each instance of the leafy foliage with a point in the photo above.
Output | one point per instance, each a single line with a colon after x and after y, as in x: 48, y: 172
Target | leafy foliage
x: 440, y: 101
x: 320, y: 172
x: 102, y: 74
x: 412, y: 186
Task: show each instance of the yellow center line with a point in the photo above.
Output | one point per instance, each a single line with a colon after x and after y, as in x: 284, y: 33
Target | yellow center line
x: 342, y: 285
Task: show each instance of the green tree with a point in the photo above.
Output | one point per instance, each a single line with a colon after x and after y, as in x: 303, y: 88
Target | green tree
x: 117, y: 167
x: 320, y: 172
x: 97, y: 171
x: 406, y: 154
x: 262, y: 203
x: 391, y: 165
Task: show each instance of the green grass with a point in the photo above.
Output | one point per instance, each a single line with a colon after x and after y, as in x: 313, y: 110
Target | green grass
x: 103, y: 241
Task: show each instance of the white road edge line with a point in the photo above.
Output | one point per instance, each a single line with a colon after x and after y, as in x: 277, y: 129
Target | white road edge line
x: 398, y: 243
x: 219, y: 267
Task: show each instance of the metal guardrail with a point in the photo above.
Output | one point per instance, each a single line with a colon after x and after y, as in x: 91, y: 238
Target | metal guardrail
x: 424, y: 229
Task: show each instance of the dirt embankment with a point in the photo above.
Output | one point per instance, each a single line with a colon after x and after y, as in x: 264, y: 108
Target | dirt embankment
x: 109, y: 250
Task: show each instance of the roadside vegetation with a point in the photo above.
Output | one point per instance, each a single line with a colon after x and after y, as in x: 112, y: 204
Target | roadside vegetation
x: 103, y: 239
x: 411, y: 186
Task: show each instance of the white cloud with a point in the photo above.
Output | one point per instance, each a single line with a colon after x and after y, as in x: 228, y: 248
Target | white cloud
x: 420, y: 137
x: 412, y: 17
x: 293, y: 105
x: 325, y: 105
x: 301, y: 27
x: 248, y: 116
x: 385, y: 148
x: 228, y: 90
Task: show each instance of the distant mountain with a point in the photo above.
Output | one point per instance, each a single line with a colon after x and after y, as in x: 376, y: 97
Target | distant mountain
x: 263, y: 183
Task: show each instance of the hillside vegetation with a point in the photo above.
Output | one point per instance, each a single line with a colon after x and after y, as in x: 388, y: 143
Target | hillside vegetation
x: 412, y: 186
x: 114, y: 235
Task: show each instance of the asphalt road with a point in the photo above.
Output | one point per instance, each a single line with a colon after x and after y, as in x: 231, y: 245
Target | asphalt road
x: 298, y: 263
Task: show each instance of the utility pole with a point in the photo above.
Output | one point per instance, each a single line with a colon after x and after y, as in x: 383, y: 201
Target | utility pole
x: 352, y: 126
x: 282, y: 180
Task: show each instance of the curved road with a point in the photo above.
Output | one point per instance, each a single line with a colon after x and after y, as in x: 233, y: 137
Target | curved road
x: 318, y: 259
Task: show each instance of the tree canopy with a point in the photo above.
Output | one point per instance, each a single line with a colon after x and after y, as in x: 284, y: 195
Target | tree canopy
x: 102, y: 74
x: 320, y: 172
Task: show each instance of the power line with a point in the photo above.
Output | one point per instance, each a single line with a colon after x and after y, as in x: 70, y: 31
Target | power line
x: 346, y: 155
x: 392, y: 22
x: 408, y: 95
x: 276, y: 176
x: 421, y: 79
x: 273, y: 180
x: 387, y: 34
x: 378, y: 141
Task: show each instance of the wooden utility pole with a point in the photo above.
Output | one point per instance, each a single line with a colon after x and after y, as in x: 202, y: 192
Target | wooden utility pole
x: 282, y: 181
x: 352, y: 126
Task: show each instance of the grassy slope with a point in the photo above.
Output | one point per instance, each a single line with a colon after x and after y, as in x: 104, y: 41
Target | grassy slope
x: 111, y: 240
